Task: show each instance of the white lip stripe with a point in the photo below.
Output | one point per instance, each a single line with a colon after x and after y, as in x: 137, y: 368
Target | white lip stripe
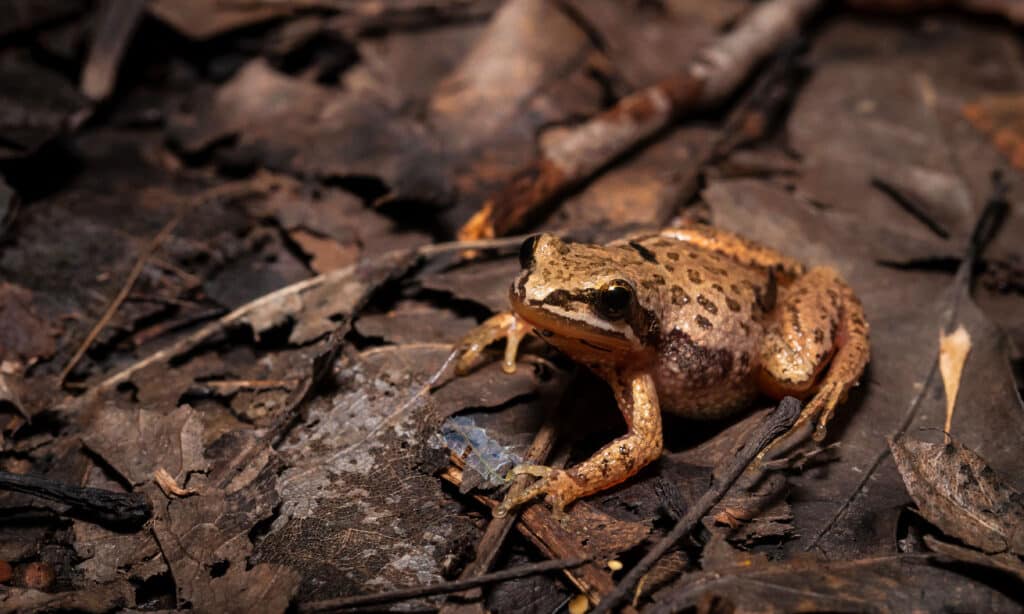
x: 594, y: 323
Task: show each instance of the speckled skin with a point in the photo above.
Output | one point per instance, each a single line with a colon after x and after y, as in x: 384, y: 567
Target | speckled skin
x: 712, y: 320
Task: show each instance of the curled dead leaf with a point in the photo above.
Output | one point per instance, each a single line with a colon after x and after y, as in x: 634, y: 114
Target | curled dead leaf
x: 958, y: 492
x: 169, y: 485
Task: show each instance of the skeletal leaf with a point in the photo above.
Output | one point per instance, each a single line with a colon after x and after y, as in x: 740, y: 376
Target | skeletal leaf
x: 958, y: 492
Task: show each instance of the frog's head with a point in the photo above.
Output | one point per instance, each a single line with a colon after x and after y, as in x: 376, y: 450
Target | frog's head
x: 585, y: 299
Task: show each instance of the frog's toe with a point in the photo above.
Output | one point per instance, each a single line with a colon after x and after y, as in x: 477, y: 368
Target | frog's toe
x: 831, y: 397
x: 538, y: 471
x: 553, y: 484
x: 500, y: 326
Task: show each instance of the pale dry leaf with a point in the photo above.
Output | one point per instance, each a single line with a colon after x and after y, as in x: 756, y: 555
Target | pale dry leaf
x: 169, y: 485
x: 953, y: 350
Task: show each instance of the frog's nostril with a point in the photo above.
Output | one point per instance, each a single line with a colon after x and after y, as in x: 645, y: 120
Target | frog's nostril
x: 526, y: 251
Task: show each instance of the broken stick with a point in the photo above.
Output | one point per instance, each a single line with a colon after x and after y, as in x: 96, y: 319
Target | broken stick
x: 570, y: 156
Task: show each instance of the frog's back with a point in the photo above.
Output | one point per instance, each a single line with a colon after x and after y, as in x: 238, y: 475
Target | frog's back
x: 712, y: 310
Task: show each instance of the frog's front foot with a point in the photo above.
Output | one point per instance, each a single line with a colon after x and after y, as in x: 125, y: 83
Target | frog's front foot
x: 501, y: 326
x: 557, y: 486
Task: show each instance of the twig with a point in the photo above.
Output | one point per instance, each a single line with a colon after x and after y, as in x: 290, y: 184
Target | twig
x: 489, y: 546
x: 573, y: 155
x: 104, y: 506
x: 749, y: 120
x: 777, y: 423
x: 187, y: 343
x: 122, y: 294
x: 554, y: 540
x: 330, y: 605
x: 912, y: 203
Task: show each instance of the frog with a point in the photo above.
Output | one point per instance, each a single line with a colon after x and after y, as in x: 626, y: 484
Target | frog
x: 694, y: 321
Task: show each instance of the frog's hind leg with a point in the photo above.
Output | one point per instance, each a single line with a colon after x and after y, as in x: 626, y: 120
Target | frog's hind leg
x: 816, y: 341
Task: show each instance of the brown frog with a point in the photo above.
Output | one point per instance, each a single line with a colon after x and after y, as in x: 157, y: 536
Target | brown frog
x: 694, y: 321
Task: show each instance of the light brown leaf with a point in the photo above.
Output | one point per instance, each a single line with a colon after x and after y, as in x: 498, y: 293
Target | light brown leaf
x: 953, y: 350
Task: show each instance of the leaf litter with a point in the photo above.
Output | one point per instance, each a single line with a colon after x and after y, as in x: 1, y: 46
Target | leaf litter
x: 271, y: 380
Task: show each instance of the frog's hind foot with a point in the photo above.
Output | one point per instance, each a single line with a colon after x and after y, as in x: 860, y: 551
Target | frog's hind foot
x: 821, y: 407
x: 501, y: 326
x: 557, y: 487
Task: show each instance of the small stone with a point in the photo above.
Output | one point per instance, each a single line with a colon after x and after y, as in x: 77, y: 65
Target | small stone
x: 5, y: 572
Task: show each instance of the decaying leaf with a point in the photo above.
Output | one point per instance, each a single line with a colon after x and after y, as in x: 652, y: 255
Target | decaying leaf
x: 92, y: 598
x: 958, y: 492
x: 356, y: 513
x: 138, y: 442
x: 201, y: 20
x: 999, y: 117
x: 750, y: 583
x: 310, y: 129
x: 953, y: 349
x: 1003, y: 561
x: 205, y: 539
x: 24, y: 337
x: 36, y: 105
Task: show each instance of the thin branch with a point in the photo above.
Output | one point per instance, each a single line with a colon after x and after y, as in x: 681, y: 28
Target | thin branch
x: 122, y: 294
x: 912, y: 203
x: 96, y: 504
x: 573, y: 155
x: 748, y: 121
x: 331, y: 605
x: 776, y: 424
x: 230, y: 190
x: 191, y: 341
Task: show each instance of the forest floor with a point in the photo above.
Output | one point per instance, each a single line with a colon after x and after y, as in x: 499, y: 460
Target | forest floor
x: 230, y: 292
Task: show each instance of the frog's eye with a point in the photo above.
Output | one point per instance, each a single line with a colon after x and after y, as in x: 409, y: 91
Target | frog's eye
x: 614, y: 300
x: 526, y: 251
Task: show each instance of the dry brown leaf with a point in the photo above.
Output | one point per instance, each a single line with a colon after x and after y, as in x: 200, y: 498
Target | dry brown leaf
x: 325, y: 254
x: 202, y: 19
x: 1001, y: 118
x: 958, y: 492
x: 1003, y: 561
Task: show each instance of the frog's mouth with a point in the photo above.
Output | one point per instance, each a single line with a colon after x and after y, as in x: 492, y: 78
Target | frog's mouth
x: 560, y: 319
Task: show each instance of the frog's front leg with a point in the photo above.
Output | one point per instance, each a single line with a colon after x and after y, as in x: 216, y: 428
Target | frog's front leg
x: 505, y: 325
x: 612, y: 464
x: 816, y: 340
